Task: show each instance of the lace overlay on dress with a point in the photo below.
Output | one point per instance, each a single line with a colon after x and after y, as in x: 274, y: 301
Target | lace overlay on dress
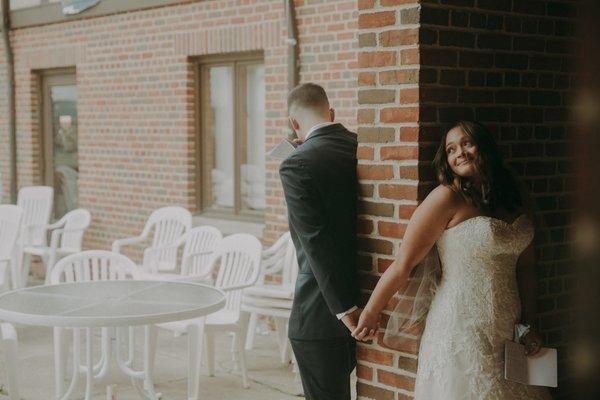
x: 473, y: 313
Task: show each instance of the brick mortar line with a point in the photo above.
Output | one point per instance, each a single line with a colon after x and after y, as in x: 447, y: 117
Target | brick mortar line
x: 494, y: 51
x: 500, y: 31
x: 386, y: 368
x: 495, y: 12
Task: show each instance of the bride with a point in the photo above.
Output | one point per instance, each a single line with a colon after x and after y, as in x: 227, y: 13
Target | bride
x: 483, y: 233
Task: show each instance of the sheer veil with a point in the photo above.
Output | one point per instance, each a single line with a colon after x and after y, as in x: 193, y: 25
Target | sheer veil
x: 414, y: 300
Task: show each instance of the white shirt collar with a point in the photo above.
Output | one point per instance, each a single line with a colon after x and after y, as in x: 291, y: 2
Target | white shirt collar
x: 317, y: 126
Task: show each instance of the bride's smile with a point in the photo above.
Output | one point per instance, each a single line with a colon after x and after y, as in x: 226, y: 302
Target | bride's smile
x: 461, y: 153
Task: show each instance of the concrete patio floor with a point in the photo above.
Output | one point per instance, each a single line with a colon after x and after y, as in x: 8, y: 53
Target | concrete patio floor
x: 269, y: 379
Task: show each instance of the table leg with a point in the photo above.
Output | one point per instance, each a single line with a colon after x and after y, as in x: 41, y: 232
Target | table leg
x: 89, y: 361
x: 195, y: 333
x: 131, y: 347
x: 107, y: 338
x: 281, y: 337
x: 110, y: 389
x: 76, y: 357
x: 142, y: 380
x: 59, y: 361
x: 149, y: 349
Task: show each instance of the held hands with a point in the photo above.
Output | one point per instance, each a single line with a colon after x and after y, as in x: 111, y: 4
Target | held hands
x: 367, y: 326
x: 350, y: 320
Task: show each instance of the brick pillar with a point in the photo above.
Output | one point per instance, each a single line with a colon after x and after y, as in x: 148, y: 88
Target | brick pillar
x: 388, y: 169
x: 508, y: 64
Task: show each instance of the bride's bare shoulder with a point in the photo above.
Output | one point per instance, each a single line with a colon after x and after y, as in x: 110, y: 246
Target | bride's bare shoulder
x: 443, y: 196
x: 440, y: 204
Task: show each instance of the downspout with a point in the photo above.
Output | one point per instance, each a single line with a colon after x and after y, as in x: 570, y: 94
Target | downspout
x: 292, y: 51
x: 10, y: 71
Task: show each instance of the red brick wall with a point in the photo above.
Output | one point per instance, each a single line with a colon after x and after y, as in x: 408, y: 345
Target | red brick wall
x: 136, y: 87
x: 389, y: 175
x: 506, y: 63
x: 328, y: 48
x: 4, y: 145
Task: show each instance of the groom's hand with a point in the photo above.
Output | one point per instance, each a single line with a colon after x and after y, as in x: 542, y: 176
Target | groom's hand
x: 367, y: 327
x: 350, y: 320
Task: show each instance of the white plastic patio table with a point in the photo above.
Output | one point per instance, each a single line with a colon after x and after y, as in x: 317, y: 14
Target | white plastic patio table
x: 119, y: 304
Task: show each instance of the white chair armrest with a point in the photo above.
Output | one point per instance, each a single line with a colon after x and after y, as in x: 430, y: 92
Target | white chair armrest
x: 58, y: 224
x: 270, y: 267
x: 270, y: 251
x: 174, y: 245
x: 60, y: 231
x: 149, y: 251
x: 117, y: 244
x: 36, y: 226
x: 55, y: 237
x: 28, y: 231
x: 199, y: 253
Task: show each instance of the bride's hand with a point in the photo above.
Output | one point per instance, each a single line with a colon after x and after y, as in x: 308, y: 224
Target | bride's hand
x: 367, y: 326
x: 533, y: 342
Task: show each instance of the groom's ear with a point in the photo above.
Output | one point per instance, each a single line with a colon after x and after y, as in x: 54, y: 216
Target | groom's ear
x: 295, y: 125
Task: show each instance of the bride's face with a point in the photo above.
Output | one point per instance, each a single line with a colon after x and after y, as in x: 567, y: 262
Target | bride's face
x: 461, y: 153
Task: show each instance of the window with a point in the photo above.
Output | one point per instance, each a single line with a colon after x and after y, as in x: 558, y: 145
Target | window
x: 60, y: 159
x: 232, y: 137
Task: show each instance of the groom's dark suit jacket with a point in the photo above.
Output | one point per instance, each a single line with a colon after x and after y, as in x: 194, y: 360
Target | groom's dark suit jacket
x: 320, y: 185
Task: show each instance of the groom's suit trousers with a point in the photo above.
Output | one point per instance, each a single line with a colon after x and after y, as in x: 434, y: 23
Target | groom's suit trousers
x: 325, y: 367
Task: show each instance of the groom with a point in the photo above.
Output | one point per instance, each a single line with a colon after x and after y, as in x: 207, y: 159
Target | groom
x: 320, y: 186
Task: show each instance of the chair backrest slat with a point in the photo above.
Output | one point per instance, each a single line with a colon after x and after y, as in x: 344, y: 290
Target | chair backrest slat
x: 10, y: 223
x: 93, y: 265
x: 200, y: 245
x: 280, y: 258
x: 239, y: 266
x: 36, y: 202
x: 168, y: 223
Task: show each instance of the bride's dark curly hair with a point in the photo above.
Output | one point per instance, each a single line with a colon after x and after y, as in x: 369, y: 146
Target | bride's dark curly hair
x: 499, y: 188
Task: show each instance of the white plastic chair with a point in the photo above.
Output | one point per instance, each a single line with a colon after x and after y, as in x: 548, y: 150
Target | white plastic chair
x: 66, y: 238
x: 8, y: 337
x: 200, y: 244
x: 10, y: 222
x: 238, y: 261
x: 92, y: 265
x: 273, y: 299
x: 168, y: 224
x: 36, y: 202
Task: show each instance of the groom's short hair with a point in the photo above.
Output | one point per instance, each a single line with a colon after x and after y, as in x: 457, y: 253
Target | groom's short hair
x: 308, y: 96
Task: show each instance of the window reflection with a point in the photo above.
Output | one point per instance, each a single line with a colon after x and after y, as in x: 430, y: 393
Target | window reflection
x: 65, y: 158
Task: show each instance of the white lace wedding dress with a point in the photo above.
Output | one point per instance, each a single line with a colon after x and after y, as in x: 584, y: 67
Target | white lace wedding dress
x: 473, y: 313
